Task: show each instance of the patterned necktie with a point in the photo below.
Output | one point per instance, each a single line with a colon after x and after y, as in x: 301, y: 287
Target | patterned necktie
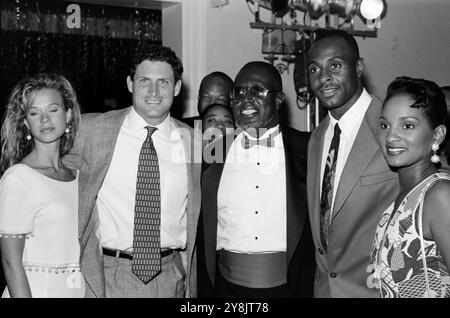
x: 327, y: 187
x: 146, y: 262
x: 267, y: 142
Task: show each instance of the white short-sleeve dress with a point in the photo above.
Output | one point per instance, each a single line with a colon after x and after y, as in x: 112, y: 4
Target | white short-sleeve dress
x: 45, y: 211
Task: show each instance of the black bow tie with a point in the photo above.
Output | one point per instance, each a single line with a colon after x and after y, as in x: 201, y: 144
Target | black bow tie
x: 266, y: 142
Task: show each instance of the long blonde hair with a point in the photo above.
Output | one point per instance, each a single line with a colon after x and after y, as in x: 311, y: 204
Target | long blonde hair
x: 14, y: 145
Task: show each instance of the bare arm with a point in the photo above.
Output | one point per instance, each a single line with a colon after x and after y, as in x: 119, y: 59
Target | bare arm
x: 16, y: 279
x: 436, y: 218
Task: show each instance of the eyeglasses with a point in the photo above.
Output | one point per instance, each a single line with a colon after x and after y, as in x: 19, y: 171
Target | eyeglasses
x: 239, y: 93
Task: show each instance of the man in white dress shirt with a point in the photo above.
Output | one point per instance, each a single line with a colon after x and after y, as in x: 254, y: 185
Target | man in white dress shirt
x: 254, y: 209
x: 120, y: 257
x: 349, y: 181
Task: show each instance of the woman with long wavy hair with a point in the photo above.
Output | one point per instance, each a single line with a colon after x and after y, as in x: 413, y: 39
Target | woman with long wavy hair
x: 38, y: 193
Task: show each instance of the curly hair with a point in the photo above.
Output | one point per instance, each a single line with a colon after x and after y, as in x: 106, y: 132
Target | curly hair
x: 426, y: 94
x: 14, y: 145
x: 156, y: 53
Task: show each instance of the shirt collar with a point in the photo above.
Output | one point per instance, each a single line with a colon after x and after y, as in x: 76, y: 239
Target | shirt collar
x: 135, y: 123
x: 354, y: 115
x: 274, y: 130
x: 266, y: 133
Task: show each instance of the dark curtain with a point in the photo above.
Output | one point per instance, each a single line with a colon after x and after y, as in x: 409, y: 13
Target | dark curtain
x: 95, y: 57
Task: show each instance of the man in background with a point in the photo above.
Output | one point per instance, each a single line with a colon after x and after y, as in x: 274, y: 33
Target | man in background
x: 215, y: 88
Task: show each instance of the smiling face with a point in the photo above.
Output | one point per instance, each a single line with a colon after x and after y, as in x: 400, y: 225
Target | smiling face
x: 153, y: 89
x: 260, y: 97
x: 218, y: 117
x: 406, y: 134
x: 46, y: 117
x: 335, y: 75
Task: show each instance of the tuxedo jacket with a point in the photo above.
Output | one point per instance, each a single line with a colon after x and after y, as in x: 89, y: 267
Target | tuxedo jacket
x: 91, y: 154
x: 366, y: 188
x: 300, y: 249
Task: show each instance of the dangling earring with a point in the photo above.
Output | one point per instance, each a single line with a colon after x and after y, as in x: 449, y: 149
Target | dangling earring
x: 28, y: 133
x: 435, y: 158
x: 68, y: 128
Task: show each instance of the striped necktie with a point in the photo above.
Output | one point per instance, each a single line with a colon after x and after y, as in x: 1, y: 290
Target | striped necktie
x: 146, y: 262
x: 327, y: 187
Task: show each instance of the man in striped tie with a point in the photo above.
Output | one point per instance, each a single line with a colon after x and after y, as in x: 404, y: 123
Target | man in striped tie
x: 139, y: 188
x: 349, y: 182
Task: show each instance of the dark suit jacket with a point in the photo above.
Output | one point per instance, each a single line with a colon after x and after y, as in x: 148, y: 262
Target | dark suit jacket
x: 366, y: 188
x: 300, y: 250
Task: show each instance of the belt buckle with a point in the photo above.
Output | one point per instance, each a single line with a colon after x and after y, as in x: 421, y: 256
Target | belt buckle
x: 118, y: 253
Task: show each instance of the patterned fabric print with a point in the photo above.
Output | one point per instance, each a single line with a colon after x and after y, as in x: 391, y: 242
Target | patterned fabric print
x: 146, y: 261
x: 327, y: 187
x: 396, y: 253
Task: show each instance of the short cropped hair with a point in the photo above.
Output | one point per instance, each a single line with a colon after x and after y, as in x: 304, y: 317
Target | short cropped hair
x: 341, y: 34
x: 156, y: 53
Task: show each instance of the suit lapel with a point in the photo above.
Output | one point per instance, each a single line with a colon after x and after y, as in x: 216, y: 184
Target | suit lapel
x: 363, y: 149
x: 192, y: 148
x: 102, y: 152
x: 210, y: 187
x: 98, y: 158
x: 295, y: 219
x: 315, y: 149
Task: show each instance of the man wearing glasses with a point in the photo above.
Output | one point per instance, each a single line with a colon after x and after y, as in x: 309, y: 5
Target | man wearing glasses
x: 254, y: 208
x: 139, y: 188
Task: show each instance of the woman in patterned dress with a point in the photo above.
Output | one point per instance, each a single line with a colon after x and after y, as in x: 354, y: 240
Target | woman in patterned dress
x: 38, y: 194
x: 411, y: 251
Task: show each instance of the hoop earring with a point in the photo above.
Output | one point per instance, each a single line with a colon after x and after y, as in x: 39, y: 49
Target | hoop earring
x: 435, y: 158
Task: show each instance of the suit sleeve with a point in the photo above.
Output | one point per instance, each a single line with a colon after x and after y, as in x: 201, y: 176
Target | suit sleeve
x: 73, y: 158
